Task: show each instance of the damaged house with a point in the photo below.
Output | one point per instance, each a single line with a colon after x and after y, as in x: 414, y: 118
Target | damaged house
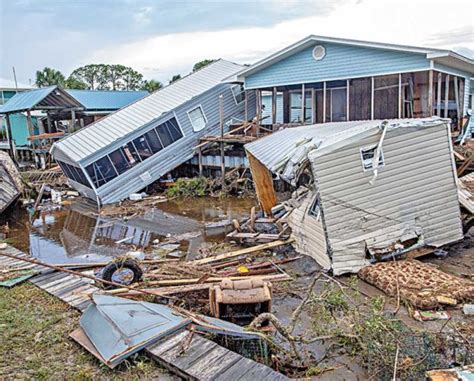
x: 325, y: 79
x: 135, y: 146
x: 375, y: 188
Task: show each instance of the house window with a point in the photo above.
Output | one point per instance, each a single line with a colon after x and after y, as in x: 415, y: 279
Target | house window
x: 238, y: 92
x: 315, y: 208
x: 101, y: 171
x: 74, y: 173
x: 122, y: 160
x: 197, y: 118
x: 367, y: 157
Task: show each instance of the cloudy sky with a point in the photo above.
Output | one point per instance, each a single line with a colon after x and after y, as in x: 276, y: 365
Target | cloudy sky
x: 160, y: 38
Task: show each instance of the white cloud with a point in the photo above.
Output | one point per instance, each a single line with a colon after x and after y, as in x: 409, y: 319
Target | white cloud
x: 402, y: 22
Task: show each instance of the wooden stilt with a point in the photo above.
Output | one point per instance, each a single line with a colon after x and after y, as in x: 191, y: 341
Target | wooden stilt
x: 347, y: 99
x: 372, y: 97
x: 274, y: 105
x: 302, y: 118
x: 324, y: 102
x: 430, y: 93
x: 438, y: 97
x: 399, y: 96
x: 313, y: 105
x: 446, y: 96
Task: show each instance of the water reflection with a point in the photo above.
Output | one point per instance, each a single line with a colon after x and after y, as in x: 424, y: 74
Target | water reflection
x: 76, y: 234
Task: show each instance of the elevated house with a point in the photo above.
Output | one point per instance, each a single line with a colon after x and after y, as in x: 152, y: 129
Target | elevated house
x: 35, y: 117
x: 375, y: 188
x: 135, y: 146
x: 323, y: 79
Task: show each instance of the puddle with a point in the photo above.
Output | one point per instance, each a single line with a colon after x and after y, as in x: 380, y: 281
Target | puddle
x: 73, y: 234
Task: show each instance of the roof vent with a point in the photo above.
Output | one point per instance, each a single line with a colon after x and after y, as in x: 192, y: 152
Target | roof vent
x: 319, y: 52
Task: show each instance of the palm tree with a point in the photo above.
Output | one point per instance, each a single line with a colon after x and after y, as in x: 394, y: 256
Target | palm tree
x: 151, y: 85
x: 49, y: 77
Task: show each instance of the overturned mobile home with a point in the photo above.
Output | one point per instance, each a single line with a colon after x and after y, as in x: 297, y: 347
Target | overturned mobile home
x: 376, y: 188
x: 135, y: 146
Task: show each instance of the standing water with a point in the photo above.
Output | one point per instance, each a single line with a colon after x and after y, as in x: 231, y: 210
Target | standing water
x: 77, y: 234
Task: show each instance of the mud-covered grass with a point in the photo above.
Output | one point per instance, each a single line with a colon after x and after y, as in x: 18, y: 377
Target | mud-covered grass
x: 34, y: 342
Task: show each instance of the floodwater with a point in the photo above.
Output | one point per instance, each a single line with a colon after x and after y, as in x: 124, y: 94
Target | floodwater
x: 75, y: 234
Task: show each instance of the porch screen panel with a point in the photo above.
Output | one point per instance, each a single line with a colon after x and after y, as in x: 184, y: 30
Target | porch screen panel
x: 386, y: 97
x: 359, y: 99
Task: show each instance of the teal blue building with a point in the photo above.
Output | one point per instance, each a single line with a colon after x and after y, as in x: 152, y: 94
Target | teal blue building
x: 323, y: 79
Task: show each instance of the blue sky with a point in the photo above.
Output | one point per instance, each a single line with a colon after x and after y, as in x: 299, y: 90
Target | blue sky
x: 161, y: 38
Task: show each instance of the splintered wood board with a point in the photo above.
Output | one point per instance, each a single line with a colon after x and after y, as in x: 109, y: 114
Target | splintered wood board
x: 202, y: 359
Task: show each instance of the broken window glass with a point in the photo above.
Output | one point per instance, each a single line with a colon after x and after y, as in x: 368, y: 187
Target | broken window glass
x: 197, y: 118
x: 174, y: 129
x: 121, y: 160
x: 238, y: 92
x: 367, y: 157
x: 74, y: 173
x: 101, y: 171
x: 153, y: 141
x: 315, y: 208
x: 142, y: 147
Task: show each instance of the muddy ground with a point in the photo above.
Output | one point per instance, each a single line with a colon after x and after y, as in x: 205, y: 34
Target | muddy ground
x: 37, y: 324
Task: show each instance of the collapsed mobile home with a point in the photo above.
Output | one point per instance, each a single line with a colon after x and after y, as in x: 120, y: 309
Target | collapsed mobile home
x: 376, y: 188
x: 135, y: 146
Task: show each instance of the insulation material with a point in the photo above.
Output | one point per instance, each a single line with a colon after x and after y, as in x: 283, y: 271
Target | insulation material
x: 420, y: 284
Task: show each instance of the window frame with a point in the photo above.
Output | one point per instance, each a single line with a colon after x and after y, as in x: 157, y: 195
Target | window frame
x: 242, y: 92
x: 381, y: 159
x: 203, y: 115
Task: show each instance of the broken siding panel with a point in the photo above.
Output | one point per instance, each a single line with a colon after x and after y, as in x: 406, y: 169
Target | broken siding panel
x: 415, y: 190
x: 340, y: 61
x: 308, y: 232
x: 177, y: 153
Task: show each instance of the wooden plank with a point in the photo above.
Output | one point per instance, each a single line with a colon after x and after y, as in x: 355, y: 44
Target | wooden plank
x: 263, y: 181
x: 215, y: 362
x: 165, y: 345
x: 198, y: 349
x: 236, y: 371
x: 237, y: 253
x: 372, y: 98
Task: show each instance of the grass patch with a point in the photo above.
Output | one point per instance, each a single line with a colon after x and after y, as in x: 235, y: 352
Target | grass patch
x: 195, y: 187
x: 34, y: 329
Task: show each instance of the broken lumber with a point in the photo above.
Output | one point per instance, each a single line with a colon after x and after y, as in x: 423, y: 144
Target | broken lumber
x: 182, y: 282
x: 248, y: 250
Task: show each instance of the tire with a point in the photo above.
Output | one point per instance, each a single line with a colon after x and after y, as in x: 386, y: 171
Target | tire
x: 130, y: 264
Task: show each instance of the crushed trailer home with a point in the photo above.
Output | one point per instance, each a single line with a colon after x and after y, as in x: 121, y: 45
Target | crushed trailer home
x: 135, y: 146
x: 11, y: 184
x: 360, y: 209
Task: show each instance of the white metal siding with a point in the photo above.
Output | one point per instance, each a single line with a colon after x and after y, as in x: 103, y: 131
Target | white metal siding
x: 415, y: 190
x: 309, y: 233
x: 179, y: 151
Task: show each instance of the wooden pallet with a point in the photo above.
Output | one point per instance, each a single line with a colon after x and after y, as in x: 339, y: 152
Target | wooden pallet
x: 205, y: 360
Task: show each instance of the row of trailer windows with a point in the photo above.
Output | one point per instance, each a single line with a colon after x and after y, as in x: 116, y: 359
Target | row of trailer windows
x: 134, y: 152
x: 74, y: 173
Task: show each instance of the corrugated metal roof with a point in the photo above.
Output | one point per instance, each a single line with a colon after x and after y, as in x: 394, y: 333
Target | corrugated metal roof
x: 106, y: 100
x: 116, y: 125
x: 292, y: 145
x: 26, y: 100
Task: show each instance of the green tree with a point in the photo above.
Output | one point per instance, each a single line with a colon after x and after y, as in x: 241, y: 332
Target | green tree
x: 201, y: 64
x: 151, y: 85
x: 92, y: 75
x: 49, y: 77
x: 73, y: 83
x: 114, y: 75
x: 132, y: 79
x: 175, y: 77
